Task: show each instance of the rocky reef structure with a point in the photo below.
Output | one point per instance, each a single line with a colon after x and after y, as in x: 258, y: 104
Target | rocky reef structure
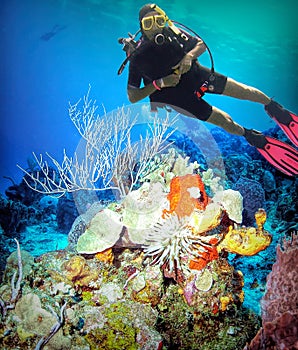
x: 91, y: 304
x: 176, y: 224
x: 137, y: 269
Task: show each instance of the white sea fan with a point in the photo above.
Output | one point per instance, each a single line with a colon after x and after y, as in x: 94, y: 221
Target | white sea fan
x: 171, y: 239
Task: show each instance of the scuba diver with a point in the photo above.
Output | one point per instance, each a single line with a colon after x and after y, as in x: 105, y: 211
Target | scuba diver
x: 55, y: 30
x: 165, y: 59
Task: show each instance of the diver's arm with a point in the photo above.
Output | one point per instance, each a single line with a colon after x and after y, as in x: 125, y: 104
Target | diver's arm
x: 136, y: 94
x: 185, y: 64
x: 198, y: 50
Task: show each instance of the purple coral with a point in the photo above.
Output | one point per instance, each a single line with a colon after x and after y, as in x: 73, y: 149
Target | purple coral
x: 282, y: 282
x: 253, y: 198
x: 280, y: 303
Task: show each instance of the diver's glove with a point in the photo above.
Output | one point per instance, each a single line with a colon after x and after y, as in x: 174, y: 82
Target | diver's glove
x: 169, y: 81
x: 185, y: 64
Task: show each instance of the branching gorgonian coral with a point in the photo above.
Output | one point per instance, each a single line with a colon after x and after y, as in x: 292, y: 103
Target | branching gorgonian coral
x: 106, y: 157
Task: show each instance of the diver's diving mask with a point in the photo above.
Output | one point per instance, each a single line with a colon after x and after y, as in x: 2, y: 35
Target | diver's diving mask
x: 149, y: 21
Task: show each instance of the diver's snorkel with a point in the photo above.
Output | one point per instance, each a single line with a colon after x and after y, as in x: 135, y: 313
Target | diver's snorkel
x: 160, y: 38
x: 170, y: 23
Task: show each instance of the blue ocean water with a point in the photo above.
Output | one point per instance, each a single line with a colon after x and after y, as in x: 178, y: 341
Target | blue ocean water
x: 52, y: 50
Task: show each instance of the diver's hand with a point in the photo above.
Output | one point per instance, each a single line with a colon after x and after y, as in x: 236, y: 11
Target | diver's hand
x: 169, y: 81
x: 184, y: 65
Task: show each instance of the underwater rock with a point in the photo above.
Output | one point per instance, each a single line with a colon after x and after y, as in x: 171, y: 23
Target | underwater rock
x: 124, y: 325
x: 66, y: 214
x: 23, y: 194
x: 184, y: 328
x: 15, y: 216
x: 36, y: 321
x: 12, y: 264
x: 48, y: 202
x: 78, y: 272
x: 61, y: 288
x: 216, y: 288
x: 112, y: 291
x: 122, y: 307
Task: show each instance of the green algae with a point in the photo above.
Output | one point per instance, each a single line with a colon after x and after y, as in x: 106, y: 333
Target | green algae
x: 118, y: 331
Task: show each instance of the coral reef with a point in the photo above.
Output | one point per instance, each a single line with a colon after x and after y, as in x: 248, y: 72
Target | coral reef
x: 35, y: 322
x: 14, y: 216
x: 81, y: 222
x: 253, y: 198
x: 102, y: 233
x: 214, y: 289
x: 115, y: 294
x: 198, y: 332
x: 78, y: 272
x: 159, y: 260
x: 187, y: 193
x: 130, y: 306
x: 248, y: 241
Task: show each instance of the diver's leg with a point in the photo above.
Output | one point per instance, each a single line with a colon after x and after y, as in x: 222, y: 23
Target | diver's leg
x: 222, y: 119
x: 244, y: 92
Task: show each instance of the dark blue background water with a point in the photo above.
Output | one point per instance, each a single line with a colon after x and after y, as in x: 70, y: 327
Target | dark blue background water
x: 51, y: 50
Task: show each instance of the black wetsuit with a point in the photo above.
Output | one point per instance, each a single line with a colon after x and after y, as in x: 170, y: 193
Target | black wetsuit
x: 151, y: 61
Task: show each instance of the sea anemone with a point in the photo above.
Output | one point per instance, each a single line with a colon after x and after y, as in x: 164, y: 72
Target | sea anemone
x: 172, y: 241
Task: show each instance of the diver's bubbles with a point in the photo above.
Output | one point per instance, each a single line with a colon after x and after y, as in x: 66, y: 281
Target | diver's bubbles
x: 126, y: 129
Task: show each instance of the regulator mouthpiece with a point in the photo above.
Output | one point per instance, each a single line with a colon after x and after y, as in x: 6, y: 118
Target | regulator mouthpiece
x: 159, y: 39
